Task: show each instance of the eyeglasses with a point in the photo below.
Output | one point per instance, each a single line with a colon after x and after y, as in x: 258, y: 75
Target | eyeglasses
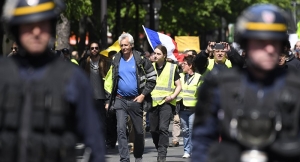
x: 14, y: 48
x: 96, y: 48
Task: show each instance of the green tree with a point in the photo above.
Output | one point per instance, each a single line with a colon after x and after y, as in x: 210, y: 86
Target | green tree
x: 75, y: 11
x: 183, y: 17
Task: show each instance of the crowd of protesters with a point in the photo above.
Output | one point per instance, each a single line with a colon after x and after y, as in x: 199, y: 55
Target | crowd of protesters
x: 173, y: 93
x: 120, y: 97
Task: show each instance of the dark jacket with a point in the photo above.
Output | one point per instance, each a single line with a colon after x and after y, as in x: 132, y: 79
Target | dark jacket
x: 293, y: 62
x: 213, y: 101
x: 201, y: 60
x: 145, y: 73
x: 102, y: 66
x: 76, y: 92
x: 86, y: 65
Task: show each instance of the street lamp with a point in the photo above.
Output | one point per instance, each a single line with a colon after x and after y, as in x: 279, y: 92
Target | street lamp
x: 156, y: 7
x: 152, y: 7
x: 294, y: 3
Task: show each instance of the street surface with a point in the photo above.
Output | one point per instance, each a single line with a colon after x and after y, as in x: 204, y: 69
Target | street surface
x: 150, y: 153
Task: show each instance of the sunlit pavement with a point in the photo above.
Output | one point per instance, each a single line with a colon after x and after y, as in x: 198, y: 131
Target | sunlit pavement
x: 150, y: 153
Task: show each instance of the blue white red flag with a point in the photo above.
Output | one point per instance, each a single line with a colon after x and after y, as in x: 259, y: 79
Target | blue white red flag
x: 156, y: 38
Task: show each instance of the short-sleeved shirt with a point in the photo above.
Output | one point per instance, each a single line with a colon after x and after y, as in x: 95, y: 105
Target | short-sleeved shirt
x: 127, y: 85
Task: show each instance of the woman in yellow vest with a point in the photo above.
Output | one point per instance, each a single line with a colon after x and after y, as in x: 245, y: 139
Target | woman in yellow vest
x: 190, y: 81
x: 164, y: 100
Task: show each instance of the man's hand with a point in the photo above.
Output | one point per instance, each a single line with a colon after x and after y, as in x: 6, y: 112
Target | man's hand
x: 168, y: 99
x: 209, y: 47
x: 139, y: 98
x: 226, y: 46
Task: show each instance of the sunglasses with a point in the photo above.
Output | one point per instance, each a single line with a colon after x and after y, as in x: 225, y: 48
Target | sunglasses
x: 15, y: 48
x: 96, y: 48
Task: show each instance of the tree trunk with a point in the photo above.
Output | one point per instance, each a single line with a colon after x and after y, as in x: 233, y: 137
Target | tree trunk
x: 1, y: 41
x: 2, y: 33
x: 63, y: 33
x: 82, y: 35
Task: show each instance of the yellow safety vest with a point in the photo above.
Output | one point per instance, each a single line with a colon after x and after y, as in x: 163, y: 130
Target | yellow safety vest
x: 211, y: 63
x: 74, y: 61
x: 188, y: 93
x: 108, y: 81
x: 164, y: 85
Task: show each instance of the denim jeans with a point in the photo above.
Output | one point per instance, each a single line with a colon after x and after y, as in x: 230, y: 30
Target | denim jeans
x: 187, y: 120
x: 124, y: 108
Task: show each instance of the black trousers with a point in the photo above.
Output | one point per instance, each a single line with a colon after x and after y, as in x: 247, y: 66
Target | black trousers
x: 160, y: 117
x: 100, y: 107
x: 111, y: 128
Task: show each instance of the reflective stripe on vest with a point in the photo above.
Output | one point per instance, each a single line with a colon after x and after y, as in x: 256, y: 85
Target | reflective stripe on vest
x: 189, y: 91
x: 211, y: 63
x: 164, y: 85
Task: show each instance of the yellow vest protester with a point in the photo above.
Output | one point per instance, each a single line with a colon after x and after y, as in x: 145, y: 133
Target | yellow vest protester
x: 188, y: 94
x: 166, y: 85
x: 211, y: 63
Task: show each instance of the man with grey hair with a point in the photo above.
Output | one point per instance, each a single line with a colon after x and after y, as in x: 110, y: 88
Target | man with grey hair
x: 128, y: 84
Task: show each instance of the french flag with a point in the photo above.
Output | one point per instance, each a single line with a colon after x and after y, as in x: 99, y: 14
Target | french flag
x: 156, y: 38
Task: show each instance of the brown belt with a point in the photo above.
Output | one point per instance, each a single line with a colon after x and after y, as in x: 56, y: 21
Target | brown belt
x: 126, y: 97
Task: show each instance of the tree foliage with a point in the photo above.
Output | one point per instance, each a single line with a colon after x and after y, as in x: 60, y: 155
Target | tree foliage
x: 186, y: 17
x: 75, y: 9
x: 189, y: 17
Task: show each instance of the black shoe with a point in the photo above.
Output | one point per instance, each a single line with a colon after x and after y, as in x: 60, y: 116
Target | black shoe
x: 161, y: 159
x: 174, y: 144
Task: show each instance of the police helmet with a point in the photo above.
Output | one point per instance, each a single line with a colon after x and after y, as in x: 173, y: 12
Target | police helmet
x: 17, y: 12
x: 262, y: 21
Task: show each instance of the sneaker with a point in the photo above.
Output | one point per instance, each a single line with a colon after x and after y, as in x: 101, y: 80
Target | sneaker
x: 174, y: 144
x: 138, y: 159
x: 186, y: 155
x: 161, y: 159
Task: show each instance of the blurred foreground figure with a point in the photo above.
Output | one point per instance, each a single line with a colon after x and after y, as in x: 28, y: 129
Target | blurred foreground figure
x: 256, y: 108
x: 46, y: 104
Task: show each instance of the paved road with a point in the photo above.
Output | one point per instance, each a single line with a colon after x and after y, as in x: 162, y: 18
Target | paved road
x: 150, y: 153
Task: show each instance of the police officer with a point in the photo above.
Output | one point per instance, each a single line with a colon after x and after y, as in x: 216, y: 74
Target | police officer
x: 256, y: 109
x: 46, y: 104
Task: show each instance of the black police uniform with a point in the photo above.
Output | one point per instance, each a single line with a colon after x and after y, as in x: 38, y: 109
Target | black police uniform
x: 251, y: 115
x: 46, y: 104
x: 224, y: 93
x: 45, y: 110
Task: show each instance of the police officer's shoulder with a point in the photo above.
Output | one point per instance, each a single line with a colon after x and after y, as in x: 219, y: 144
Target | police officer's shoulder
x: 293, y: 72
x: 4, y: 61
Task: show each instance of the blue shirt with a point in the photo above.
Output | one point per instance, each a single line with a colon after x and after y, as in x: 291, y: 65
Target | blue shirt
x: 127, y: 85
